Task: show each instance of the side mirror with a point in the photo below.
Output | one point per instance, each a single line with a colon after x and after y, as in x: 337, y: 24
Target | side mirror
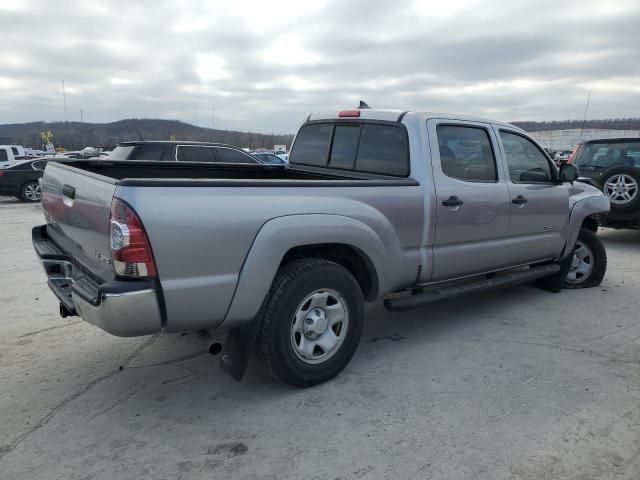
x: 568, y: 173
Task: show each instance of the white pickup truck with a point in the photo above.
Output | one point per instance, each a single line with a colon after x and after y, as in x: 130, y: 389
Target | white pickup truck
x: 372, y: 203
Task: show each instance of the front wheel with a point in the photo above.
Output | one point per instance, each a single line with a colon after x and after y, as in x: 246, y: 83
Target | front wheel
x: 311, y: 323
x: 30, y: 192
x: 589, y: 261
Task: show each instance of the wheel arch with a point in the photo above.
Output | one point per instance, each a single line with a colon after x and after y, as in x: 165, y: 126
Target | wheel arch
x: 345, y: 240
x: 583, y: 214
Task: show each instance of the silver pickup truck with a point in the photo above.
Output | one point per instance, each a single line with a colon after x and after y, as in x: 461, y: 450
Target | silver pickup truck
x: 412, y: 207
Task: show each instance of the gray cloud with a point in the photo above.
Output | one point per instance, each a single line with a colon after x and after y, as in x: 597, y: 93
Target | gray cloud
x: 266, y: 65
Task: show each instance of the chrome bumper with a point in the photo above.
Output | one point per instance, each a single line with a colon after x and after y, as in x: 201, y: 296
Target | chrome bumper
x: 122, y: 308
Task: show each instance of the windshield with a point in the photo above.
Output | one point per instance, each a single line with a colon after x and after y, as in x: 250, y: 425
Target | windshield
x: 121, y: 152
x: 600, y: 156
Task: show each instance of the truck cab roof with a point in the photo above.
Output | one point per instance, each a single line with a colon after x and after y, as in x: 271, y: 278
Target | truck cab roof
x: 396, y: 115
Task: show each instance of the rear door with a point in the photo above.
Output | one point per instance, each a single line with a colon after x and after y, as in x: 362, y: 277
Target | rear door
x: 472, y: 209
x: 77, y: 207
x: 539, y: 203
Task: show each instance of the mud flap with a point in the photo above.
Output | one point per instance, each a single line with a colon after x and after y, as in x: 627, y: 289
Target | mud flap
x: 238, y: 348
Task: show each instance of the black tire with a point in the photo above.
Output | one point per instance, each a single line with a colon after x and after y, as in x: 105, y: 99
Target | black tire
x: 293, y: 284
x: 619, y: 204
x: 598, y: 261
x: 30, y: 192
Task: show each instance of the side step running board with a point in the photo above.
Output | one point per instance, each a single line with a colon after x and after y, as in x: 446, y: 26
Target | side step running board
x: 440, y: 293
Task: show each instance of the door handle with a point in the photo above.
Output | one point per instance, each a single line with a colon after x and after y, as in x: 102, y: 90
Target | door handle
x: 519, y: 200
x: 69, y: 191
x: 452, y: 201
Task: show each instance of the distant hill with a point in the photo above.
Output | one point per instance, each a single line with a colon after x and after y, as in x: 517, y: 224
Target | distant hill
x: 612, y: 123
x: 76, y: 135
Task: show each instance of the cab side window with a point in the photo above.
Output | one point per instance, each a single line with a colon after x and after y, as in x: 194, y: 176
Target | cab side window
x: 526, y: 163
x: 466, y: 153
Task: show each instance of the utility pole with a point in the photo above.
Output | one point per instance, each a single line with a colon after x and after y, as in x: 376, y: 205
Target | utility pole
x: 81, y: 117
x: 213, y: 118
x: 64, y: 99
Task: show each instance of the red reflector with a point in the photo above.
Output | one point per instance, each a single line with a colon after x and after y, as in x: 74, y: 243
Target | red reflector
x: 2, y: 173
x: 349, y: 113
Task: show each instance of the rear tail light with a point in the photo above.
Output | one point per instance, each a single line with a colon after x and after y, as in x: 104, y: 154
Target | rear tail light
x: 130, y: 248
x: 349, y: 113
x: 2, y: 173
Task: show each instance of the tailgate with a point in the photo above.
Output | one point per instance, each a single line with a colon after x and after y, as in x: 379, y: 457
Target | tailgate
x: 77, y: 207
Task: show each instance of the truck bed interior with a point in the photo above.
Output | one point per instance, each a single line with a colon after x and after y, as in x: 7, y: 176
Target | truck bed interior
x: 153, y: 174
x: 172, y: 170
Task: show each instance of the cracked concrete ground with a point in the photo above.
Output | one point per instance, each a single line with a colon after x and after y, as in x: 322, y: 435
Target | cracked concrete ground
x: 516, y: 383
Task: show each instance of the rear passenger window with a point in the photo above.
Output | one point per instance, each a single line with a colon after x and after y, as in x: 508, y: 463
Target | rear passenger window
x: 383, y: 149
x: 151, y: 152
x: 527, y: 164
x: 312, y: 144
x: 188, y: 153
x: 228, y: 155
x: 466, y: 153
x: 345, y: 145
x: 3, y: 156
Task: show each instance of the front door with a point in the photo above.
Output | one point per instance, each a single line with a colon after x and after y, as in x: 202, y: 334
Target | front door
x: 472, y: 209
x: 539, y: 203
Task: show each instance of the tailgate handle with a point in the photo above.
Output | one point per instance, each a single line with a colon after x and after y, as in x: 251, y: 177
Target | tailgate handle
x: 69, y: 191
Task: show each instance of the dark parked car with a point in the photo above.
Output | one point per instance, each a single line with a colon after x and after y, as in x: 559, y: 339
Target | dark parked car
x: 21, y: 179
x: 176, y: 151
x: 613, y: 165
x: 269, y: 158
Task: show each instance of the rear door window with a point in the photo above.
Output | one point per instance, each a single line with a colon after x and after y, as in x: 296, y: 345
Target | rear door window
x: 152, y: 152
x: 466, y: 153
x: 229, y: 155
x: 3, y: 156
x: 193, y: 153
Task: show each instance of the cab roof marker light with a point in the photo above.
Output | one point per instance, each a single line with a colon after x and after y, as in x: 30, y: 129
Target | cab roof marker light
x: 349, y: 114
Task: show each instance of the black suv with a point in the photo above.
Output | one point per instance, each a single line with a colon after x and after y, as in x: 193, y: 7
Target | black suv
x: 175, y: 151
x: 613, y: 165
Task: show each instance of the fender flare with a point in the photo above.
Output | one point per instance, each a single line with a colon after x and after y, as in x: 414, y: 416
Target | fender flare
x: 279, y: 235
x: 581, y: 210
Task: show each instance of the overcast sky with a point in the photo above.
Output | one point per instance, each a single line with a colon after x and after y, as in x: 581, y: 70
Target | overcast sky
x: 264, y: 65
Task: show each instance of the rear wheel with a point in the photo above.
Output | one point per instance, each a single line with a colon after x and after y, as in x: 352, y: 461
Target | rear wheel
x: 311, y: 323
x: 30, y: 192
x: 588, y: 263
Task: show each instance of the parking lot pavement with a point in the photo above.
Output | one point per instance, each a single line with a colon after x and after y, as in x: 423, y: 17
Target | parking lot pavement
x: 515, y: 383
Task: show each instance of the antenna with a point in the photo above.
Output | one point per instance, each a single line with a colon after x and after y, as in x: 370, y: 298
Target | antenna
x: 362, y: 105
x: 64, y: 99
x: 584, y: 119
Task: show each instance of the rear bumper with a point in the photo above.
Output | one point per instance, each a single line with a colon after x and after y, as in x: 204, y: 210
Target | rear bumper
x: 123, y: 308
